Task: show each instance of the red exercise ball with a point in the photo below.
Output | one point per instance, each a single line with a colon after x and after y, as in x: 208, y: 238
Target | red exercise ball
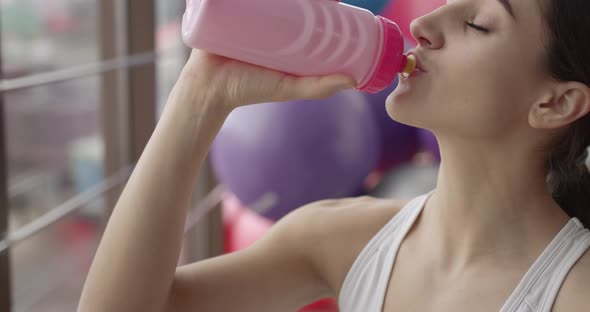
x: 403, y: 12
x: 242, y: 227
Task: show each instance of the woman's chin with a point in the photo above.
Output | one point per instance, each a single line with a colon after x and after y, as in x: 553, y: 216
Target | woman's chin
x: 397, y: 101
x: 403, y: 109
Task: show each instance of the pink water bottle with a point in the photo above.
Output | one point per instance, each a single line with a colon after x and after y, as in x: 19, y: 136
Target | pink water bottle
x: 300, y: 37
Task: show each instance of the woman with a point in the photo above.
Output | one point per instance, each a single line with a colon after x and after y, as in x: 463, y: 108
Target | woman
x: 505, y: 87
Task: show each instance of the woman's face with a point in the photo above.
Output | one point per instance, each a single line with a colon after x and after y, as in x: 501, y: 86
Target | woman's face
x: 484, y: 63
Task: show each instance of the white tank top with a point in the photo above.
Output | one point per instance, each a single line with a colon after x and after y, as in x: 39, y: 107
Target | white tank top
x: 366, y: 283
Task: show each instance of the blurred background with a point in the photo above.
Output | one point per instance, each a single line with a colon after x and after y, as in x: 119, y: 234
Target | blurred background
x: 77, y: 108
x: 82, y: 85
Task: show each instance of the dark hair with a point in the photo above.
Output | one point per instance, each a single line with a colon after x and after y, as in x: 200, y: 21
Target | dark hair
x: 568, y: 49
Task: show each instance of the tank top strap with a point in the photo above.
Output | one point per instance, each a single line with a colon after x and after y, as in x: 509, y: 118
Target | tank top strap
x: 539, y: 287
x: 365, y: 284
x: 576, y: 247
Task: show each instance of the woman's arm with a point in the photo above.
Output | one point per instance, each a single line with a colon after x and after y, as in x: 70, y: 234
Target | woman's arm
x: 135, y: 264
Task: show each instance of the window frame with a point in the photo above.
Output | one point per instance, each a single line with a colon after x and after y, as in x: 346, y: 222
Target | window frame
x: 128, y: 119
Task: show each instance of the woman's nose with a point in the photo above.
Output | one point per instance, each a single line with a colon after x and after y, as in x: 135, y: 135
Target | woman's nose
x: 426, y: 32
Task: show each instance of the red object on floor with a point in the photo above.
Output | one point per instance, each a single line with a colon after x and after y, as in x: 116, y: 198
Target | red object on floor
x: 78, y: 238
x: 324, y: 305
x: 77, y: 230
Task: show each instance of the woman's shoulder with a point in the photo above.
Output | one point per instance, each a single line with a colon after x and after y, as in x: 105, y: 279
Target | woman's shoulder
x: 347, y: 220
x: 337, y: 231
x: 574, y: 294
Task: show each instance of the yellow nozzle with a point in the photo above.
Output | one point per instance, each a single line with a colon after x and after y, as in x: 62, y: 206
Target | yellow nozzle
x: 410, y: 64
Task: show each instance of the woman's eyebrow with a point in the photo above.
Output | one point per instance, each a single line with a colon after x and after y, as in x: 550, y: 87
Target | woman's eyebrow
x: 506, y: 4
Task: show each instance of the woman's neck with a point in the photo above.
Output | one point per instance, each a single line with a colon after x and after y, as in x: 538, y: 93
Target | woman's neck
x: 489, y: 204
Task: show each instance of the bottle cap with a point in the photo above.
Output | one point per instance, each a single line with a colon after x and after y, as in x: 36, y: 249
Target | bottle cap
x: 391, y: 60
x: 410, y: 64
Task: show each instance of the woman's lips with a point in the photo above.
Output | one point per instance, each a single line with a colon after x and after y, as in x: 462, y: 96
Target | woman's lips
x: 417, y: 72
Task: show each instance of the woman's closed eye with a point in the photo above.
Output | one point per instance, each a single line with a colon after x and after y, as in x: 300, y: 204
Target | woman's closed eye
x: 477, y: 27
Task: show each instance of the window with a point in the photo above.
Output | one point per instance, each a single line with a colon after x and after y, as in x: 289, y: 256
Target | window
x: 76, y: 116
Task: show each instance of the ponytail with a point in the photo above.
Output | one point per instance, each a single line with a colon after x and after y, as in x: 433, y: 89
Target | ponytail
x: 569, y: 176
x: 567, y: 60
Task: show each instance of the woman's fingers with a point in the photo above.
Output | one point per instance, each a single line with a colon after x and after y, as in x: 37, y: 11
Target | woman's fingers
x: 240, y: 83
x: 292, y: 87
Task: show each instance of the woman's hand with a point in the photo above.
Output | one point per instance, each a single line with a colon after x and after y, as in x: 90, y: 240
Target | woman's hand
x: 236, y: 83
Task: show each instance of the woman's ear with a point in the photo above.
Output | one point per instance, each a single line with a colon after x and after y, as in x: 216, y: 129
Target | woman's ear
x: 564, y: 104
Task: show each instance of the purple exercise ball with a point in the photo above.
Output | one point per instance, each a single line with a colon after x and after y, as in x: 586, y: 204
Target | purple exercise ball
x: 297, y: 152
x: 399, y: 142
x: 429, y: 143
